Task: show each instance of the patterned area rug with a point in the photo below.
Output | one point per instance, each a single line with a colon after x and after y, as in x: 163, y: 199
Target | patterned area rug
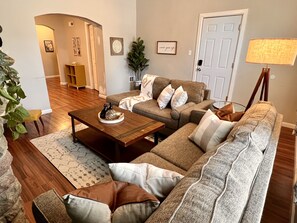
x: 79, y: 165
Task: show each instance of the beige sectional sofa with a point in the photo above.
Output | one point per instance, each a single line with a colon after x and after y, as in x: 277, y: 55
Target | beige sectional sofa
x: 228, y: 184
x: 198, y: 98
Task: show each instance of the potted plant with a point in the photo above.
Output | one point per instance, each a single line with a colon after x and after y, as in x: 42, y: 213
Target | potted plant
x: 136, y: 59
x: 11, y: 114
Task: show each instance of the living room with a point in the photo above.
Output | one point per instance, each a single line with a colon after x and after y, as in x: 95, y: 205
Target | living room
x: 153, y: 21
x: 147, y: 20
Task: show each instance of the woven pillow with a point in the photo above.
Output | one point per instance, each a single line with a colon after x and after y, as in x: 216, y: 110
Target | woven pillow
x: 179, y: 98
x: 211, y: 131
x: 165, y: 96
x: 110, y: 202
x: 154, y: 180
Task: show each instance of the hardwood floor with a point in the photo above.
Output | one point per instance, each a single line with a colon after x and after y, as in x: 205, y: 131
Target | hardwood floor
x: 37, y: 175
x: 34, y: 171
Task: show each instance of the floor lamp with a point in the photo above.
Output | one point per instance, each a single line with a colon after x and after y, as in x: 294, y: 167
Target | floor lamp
x: 269, y: 51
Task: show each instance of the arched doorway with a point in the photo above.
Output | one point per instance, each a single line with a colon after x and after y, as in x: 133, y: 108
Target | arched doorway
x: 66, y: 28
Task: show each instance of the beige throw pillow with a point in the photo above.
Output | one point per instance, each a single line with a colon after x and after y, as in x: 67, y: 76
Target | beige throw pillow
x: 179, y: 98
x: 154, y: 180
x: 165, y: 96
x: 211, y: 131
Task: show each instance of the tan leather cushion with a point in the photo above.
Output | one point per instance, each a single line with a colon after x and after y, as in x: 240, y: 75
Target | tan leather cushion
x: 125, y: 201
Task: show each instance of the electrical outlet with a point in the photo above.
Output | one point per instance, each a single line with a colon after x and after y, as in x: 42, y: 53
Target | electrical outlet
x: 131, y: 78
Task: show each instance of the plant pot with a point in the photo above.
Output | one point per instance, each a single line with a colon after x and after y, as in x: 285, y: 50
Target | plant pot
x: 135, y: 85
x: 11, y: 208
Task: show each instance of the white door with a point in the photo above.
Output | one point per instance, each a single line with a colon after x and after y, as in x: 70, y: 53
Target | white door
x: 95, y: 78
x: 218, y: 44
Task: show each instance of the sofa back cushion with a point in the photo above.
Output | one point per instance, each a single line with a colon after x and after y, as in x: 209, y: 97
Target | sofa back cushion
x: 159, y: 84
x: 259, y: 120
x: 217, y: 187
x: 195, y: 90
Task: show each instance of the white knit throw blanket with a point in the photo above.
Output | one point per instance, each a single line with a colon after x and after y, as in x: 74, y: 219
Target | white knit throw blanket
x: 145, y: 94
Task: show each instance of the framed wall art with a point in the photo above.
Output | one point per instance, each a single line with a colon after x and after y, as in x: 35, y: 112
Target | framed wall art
x: 166, y: 47
x: 116, y: 46
x: 48, y: 46
x: 76, y: 46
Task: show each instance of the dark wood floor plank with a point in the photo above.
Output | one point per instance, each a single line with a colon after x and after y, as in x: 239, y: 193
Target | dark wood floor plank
x: 37, y: 175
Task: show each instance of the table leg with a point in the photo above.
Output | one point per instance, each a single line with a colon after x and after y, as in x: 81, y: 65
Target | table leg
x: 156, y: 137
x: 73, y: 130
x: 117, y: 152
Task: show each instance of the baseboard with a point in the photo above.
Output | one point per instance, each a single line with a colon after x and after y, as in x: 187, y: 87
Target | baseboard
x: 288, y: 125
x: 46, y: 111
x: 63, y: 83
x: 51, y: 76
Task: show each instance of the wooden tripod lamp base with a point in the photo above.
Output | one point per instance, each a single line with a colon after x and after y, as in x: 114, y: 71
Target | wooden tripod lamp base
x: 264, y: 79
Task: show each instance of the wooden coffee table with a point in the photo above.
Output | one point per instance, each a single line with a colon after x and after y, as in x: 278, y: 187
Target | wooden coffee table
x: 119, y: 142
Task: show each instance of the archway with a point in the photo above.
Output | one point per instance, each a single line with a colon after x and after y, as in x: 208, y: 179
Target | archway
x: 66, y: 28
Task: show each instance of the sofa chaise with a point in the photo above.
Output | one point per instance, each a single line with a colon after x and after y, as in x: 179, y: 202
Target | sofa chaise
x: 227, y: 184
x: 198, y: 98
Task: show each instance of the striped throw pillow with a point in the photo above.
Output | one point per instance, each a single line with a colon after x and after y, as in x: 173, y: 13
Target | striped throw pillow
x: 165, y: 96
x: 211, y: 131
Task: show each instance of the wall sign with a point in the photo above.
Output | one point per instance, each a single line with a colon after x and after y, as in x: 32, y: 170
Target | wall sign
x: 166, y: 47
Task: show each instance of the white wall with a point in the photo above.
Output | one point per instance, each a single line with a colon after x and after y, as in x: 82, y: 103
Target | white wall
x: 177, y: 20
x: 117, y: 17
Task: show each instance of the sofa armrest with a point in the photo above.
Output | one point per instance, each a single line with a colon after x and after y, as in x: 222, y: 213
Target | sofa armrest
x: 49, y: 207
x: 196, y: 115
x: 115, y: 99
x: 175, y: 113
x: 186, y: 114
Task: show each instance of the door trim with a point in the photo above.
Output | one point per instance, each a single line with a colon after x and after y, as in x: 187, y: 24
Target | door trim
x: 244, y: 13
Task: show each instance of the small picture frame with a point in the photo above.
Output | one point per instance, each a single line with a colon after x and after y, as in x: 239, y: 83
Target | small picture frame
x: 167, y: 47
x: 116, y: 46
x: 48, y: 46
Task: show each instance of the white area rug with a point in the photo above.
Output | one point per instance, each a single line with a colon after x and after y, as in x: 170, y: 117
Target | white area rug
x: 79, y: 165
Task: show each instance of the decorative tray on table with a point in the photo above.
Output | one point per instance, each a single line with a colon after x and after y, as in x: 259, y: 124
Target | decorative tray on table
x: 116, y: 117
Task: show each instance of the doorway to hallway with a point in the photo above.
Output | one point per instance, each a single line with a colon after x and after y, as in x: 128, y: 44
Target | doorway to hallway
x: 87, y: 50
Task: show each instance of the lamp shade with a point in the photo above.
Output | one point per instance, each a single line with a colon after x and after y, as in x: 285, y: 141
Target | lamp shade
x: 272, y: 51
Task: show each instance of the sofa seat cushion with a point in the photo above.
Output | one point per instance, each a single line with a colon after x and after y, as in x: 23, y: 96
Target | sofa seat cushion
x: 259, y: 120
x: 217, y: 185
x: 151, y: 109
x: 116, y: 98
x: 195, y: 90
x: 185, y: 152
x: 158, y: 161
